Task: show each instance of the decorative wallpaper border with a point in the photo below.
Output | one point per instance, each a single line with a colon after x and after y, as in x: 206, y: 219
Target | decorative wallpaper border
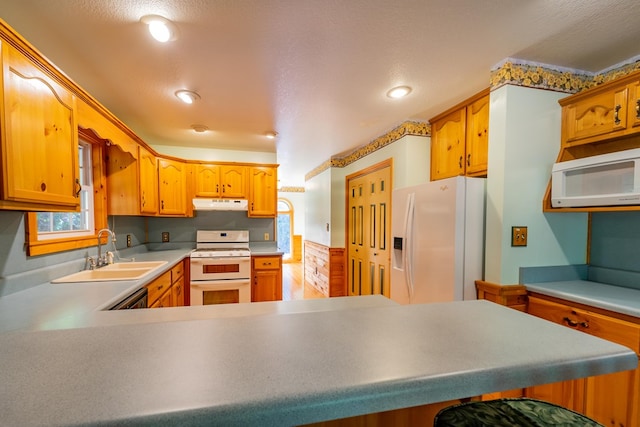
x: 508, y: 72
x: 542, y: 76
x: 406, y: 128
x: 291, y: 190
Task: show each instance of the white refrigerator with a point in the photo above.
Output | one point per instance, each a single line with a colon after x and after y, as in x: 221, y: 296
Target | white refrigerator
x: 438, y: 240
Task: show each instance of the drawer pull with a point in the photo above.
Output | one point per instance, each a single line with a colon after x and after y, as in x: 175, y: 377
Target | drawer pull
x: 616, y: 115
x: 584, y: 324
x: 570, y: 322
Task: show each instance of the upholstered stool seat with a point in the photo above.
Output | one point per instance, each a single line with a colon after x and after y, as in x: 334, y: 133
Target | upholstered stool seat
x: 509, y: 413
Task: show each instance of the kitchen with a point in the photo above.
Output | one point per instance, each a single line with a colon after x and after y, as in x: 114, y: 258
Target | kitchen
x: 560, y: 238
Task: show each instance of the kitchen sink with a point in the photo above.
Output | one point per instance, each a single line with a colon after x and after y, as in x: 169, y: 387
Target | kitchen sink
x: 113, y: 272
x: 134, y: 265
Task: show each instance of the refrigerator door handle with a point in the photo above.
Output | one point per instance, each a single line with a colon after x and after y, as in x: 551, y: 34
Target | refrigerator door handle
x: 407, y: 254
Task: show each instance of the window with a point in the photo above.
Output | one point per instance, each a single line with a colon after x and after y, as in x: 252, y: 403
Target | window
x: 60, y: 225
x: 49, y: 232
x: 285, y: 227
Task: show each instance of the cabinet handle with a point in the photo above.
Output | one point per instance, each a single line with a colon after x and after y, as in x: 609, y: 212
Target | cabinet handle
x: 584, y: 324
x: 616, y: 117
x: 162, y: 204
x: 79, y: 187
x: 570, y: 322
x: 469, y: 159
x: 637, y: 108
x: 460, y: 162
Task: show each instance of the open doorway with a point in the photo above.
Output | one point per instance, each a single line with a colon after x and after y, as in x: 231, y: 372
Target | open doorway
x: 284, y: 226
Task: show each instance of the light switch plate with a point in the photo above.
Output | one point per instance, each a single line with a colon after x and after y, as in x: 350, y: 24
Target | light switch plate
x: 519, y: 236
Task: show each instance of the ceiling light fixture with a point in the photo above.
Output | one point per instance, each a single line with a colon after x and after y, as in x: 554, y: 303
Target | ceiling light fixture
x: 199, y: 128
x: 160, y: 28
x: 399, y: 92
x: 271, y: 135
x: 187, y: 96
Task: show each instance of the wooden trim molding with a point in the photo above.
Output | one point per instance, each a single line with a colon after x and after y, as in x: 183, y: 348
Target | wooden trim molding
x: 513, y: 296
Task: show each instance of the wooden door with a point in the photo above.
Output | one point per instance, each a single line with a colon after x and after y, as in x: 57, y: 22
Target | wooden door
x: 369, y: 219
x: 448, y: 145
x: 601, y: 114
x: 634, y: 104
x: 356, y: 268
x: 40, y: 136
x: 148, y: 169
x: 612, y: 399
x: 233, y: 181
x: 477, y: 137
x: 207, y: 180
x: 172, y: 178
x: 263, y: 192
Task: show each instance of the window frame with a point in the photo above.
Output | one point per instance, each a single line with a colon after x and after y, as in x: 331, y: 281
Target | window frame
x: 37, y: 246
x: 289, y: 212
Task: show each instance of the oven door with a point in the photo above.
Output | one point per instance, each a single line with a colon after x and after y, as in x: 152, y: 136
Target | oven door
x: 220, y: 268
x: 209, y: 292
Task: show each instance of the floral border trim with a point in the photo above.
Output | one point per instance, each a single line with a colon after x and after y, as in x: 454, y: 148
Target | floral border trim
x: 291, y: 190
x: 406, y: 128
x: 559, y: 79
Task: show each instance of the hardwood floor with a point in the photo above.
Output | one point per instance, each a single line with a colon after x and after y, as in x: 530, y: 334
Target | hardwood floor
x: 293, y: 286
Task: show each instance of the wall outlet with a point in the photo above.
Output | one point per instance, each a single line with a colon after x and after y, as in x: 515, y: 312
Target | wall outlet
x: 519, y: 236
x: 266, y: 236
x: 128, y: 240
x: 165, y: 236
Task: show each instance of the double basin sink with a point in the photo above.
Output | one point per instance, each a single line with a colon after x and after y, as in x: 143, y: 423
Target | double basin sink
x: 112, y: 272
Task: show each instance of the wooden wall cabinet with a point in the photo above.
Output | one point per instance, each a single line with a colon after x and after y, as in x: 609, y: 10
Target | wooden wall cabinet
x: 609, y: 399
x: 460, y: 139
x: 611, y: 110
x: 172, y: 187
x: 220, y: 181
x: 148, y: 181
x: 38, y: 137
x: 263, y: 193
x: 168, y: 290
x: 266, y: 271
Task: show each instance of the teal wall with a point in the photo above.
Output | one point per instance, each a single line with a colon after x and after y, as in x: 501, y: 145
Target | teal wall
x: 524, y: 141
x: 615, y: 240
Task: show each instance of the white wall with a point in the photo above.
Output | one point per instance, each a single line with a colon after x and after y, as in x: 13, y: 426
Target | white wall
x: 325, y: 193
x: 524, y: 141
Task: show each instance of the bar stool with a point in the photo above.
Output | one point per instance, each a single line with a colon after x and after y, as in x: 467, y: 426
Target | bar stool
x: 521, y: 412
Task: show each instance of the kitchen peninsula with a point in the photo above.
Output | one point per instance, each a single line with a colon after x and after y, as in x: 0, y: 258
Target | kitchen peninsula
x: 289, y: 368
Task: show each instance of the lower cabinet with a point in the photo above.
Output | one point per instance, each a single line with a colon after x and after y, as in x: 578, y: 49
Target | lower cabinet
x: 609, y: 399
x: 266, y: 272
x: 168, y: 290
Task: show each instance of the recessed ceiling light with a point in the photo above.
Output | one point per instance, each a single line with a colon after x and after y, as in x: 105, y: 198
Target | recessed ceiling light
x: 399, y: 92
x: 271, y: 135
x: 160, y: 28
x: 187, y: 96
x: 199, y: 128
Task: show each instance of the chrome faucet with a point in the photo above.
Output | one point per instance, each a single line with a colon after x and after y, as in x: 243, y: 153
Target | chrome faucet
x: 102, y: 259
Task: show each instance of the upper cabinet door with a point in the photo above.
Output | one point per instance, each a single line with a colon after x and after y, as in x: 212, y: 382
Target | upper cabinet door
x: 172, y: 178
x: 39, y: 135
x: 448, y: 145
x: 601, y: 113
x: 233, y: 181
x: 477, y: 137
x: 263, y: 195
x: 148, y: 170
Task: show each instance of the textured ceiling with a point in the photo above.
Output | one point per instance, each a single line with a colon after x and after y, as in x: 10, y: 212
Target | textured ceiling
x: 315, y: 71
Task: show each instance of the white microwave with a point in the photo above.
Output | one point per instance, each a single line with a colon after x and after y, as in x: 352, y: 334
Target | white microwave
x: 606, y: 180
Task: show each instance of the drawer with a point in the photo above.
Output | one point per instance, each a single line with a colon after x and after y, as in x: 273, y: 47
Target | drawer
x: 158, y: 287
x: 599, y: 325
x: 266, y: 263
x: 177, y: 271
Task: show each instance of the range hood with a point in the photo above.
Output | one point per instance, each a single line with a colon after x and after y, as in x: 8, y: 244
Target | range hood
x: 200, y: 204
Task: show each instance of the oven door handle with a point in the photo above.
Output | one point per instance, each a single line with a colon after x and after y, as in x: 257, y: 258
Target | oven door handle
x: 220, y: 282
